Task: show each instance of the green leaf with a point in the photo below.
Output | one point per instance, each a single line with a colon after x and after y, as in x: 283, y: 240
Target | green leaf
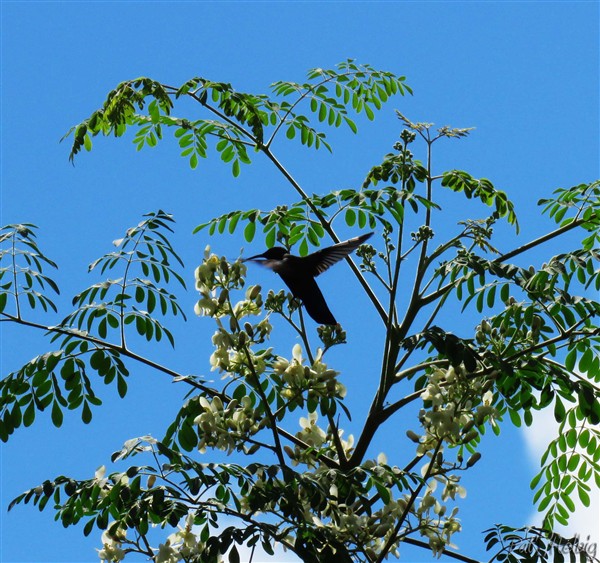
x: 86, y: 413
x: 586, y: 360
x: 29, y: 415
x: 57, y: 415
x: 362, y: 219
x: 322, y: 112
x: 350, y: 217
x: 303, y: 247
x: 505, y: 292
x: 583, y: 496
x: 187, y: 437
x: 571, y: 359
x: 535, y: 481
x: 121, y: 386
x: 383, y: 491
x: 479, y: 301
x: 249, y: 231
x: 351, y: 124
x: 573, y: 462
x: 102, y: 331
x: 233, y: 221
x: 270, y: 237
x: 559, y: 410
x: 491, y: 295
x: 571, y: 437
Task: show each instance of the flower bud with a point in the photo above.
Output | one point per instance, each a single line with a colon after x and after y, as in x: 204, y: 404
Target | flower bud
x: 252, y: 292
x: 223, y: 296
x: 224, y: 267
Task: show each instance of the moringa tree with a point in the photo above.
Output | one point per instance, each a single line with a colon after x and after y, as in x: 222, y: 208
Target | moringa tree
x: 317, y: 491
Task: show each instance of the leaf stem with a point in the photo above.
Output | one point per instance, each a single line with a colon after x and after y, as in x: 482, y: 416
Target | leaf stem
x: 15, y: 281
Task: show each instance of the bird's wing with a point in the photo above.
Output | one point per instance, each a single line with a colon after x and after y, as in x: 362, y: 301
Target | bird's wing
x: 307, y: 290
x: 322, y: 260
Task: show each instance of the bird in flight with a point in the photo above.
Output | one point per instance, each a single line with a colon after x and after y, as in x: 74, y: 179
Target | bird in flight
x: 299, y: 273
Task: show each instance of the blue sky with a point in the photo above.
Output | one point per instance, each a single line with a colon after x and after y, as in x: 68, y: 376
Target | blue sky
x: 525, y: 74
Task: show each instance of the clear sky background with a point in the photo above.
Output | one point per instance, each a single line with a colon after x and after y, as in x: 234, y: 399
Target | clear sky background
x: 525, y: 74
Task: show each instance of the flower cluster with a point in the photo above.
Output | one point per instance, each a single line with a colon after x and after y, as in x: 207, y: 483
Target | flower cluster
x: 233, y: 353
x: 355, y: 520
x: 454, y: 406
x: 228, y: 427
x: 318, y: 441
x: 318, y: 380
x: 182, y: 544
x: 111, y: 551
x: 215, y: 278
x: 456, y: 403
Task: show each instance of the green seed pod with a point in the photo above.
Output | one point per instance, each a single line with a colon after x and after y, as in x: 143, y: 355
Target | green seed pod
x: 473, y: 459
x: 469, y: 436
x: 223, y: 296
x: 413, y: 436
x: 224, y: 267
x: 468, y: 426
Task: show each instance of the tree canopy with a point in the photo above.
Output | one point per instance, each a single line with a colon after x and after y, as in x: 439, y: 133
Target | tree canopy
x: 317, y: 491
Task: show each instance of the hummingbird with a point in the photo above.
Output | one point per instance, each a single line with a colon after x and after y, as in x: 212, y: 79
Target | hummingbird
x: 299, y: 273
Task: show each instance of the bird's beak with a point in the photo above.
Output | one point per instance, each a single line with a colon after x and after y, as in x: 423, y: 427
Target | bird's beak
x: 256, y: 258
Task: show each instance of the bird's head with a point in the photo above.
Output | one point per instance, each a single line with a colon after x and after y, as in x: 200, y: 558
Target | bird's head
x: 275, y: 253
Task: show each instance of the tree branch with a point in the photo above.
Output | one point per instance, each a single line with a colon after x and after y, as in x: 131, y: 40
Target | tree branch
x: 175, y: 375
x: 545, y: 238
x: 446, y: 552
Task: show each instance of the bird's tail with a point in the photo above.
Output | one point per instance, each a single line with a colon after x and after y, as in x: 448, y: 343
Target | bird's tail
x: 315, y: 304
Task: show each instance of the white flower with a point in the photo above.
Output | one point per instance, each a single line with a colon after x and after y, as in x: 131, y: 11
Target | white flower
x: 488, y: 397
x: 111, y: 550
x: 297, y: 353
x: 311, y: 433
x: 111, y: 553
x: 166, y: 554
x: 452, y: 489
